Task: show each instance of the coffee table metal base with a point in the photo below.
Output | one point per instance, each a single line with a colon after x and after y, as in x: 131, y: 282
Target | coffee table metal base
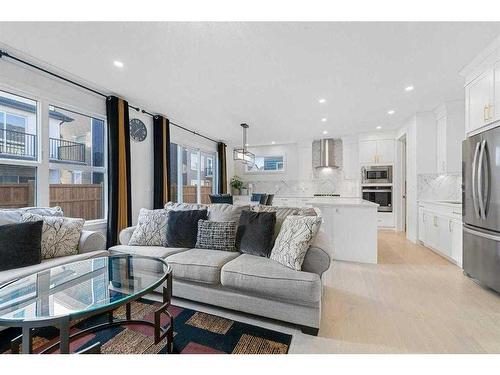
x: 25, y: 341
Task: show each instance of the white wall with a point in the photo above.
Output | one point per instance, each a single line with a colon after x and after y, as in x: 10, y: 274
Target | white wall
x: 50, y: 91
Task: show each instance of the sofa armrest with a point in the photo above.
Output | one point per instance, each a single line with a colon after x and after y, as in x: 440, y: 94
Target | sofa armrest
x: 91, y: 241
x: 317, y: 258
x: 125, y: 235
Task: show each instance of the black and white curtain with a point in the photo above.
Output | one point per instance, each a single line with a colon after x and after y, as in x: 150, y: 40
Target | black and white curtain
x: 161, y: 164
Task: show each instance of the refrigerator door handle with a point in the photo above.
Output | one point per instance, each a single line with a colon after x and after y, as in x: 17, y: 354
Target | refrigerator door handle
x: 486, y: 179
x: 480, y: 181
x: 481, y: 234
x: 474, y: 187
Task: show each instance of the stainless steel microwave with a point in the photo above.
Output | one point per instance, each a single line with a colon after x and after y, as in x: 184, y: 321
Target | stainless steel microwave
x: 377, y: 174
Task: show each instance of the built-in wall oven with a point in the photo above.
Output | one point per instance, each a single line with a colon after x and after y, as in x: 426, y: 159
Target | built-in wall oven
x: 382, y: 195
x: 380, y: 174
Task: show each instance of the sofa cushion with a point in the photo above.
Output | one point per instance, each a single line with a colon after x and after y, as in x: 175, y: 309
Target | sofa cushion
x: 267, y: 278
x: 225, y: 212
x: 182, y: 229
x: 20, y: 245
x: 281, y: 214
x: 6, y: 276
x: 200, y: 265
x: 216, y: 235
x: 13, y: 215
x: 149, y: 251
x: 151, y: 229
x: 255, y: 233
x: 60, y: 235
x: 296, y: 235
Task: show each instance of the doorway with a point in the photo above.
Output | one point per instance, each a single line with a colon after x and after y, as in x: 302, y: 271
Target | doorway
x: 402, y: 218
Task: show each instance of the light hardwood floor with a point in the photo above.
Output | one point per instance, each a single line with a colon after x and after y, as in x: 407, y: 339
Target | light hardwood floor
x: 413, y: 301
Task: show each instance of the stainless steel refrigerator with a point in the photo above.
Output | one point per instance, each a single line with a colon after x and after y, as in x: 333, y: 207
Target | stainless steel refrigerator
x: 481, y: 207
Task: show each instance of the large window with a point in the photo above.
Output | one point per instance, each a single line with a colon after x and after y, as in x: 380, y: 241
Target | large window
x: 76, y: 176
x: 70, y: 169
x: 192, y: 174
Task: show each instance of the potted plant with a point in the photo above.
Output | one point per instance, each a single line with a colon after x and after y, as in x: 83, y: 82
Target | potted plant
x: 236, y: 185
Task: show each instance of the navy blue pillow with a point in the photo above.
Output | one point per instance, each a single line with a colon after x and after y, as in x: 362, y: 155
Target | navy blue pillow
x: 182, y: 227
x: 255, y: 233
x: 20, y: 245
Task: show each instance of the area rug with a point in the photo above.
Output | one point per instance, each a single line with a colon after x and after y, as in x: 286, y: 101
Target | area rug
x: 194, y: 333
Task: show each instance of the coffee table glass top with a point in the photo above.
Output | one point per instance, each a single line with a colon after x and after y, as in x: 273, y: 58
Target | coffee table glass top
x: 79, y: 288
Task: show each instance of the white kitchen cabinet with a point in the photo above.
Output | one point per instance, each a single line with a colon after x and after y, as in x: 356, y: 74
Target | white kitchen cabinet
x: 480, y: 94
x: 385, y: 219
x: 380, y: 151
x: 440, y: 229
x: 351, y: 161
x: 449, y: 136
x: 385, y: 151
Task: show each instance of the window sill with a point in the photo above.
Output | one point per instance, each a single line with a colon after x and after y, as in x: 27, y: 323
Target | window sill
x: 95, y: 224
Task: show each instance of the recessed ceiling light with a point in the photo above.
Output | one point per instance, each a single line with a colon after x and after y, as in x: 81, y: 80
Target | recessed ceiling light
x: 273, y: 142
x: 325, y: 132
x: 391, y: 112
x: 378, y: 127
x: 323, y: 119
x: 246, y: 144
x: 118, y: 64
x: 321, y: 101
x: 409, y: 88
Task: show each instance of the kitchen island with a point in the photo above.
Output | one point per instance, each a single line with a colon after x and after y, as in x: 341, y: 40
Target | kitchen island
x: 351, y: 224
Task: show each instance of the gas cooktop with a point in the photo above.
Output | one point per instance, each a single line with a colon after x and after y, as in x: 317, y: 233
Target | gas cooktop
x: 327, y: 195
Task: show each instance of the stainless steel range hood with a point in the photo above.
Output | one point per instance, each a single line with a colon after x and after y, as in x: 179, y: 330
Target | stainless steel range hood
x: 327, y: 153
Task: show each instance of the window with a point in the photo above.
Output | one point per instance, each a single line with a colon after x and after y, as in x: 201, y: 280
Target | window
x: 265, y: 164
x: 191, y: 174
x: 76, y: 162
x: 18, y: 127
x: 17, y: 186
x: 18, y: 151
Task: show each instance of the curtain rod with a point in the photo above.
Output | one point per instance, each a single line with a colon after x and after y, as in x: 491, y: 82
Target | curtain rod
x: 6, y: 54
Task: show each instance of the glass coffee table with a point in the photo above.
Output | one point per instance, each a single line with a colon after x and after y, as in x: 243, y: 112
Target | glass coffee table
x: 75, y: 291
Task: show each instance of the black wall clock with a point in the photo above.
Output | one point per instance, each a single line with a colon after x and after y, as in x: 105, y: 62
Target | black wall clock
x: 138, y: 131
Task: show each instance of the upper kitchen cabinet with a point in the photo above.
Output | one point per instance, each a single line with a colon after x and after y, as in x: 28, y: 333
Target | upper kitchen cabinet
x: 351, y: 158
x: 376, y: 151
x: 480, y: 95
x: 449, y: 136
x: 482, y: 90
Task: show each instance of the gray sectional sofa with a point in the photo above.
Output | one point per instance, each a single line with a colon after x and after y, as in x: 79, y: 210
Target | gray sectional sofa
x: 243, y: 282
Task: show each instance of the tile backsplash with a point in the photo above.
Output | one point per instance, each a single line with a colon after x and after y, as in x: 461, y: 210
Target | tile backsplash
x: 329, y: 181
x: 439, y: 187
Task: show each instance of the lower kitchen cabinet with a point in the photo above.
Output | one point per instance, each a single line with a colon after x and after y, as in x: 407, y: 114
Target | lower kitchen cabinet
x: 440, y: 229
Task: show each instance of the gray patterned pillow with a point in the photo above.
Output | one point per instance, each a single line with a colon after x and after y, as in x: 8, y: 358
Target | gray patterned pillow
x: 216, y: 235
x: 151, y: 228
x: 60, y: 235
x: 294, y: 239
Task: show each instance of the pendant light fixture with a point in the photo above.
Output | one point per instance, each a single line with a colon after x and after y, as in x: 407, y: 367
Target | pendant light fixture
x: 242, y: 154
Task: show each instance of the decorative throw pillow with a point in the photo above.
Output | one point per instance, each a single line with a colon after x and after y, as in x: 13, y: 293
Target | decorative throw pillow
x: 281, y: 215
x: 60, y: 235
x: 225, y: 212
x: 182, y: 228
x: 297, y: 233
x: 20, y: 245
x: 151, y: 229
x: 255, y: 233
x: 216, y: 235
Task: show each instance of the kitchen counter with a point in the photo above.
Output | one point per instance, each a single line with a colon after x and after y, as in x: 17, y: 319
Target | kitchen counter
x: 445, y: 203
x: 339, y: 201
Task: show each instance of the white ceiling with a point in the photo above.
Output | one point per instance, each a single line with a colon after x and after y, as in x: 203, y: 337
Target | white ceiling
x: 213, y: 76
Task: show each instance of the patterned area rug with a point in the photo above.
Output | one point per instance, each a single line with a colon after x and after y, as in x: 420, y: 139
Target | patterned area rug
x: 194, y: 333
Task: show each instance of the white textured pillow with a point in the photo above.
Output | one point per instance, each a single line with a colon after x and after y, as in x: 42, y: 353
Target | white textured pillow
x: 60, y: 235
x: 151, y: 228
x: 294, y: 239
